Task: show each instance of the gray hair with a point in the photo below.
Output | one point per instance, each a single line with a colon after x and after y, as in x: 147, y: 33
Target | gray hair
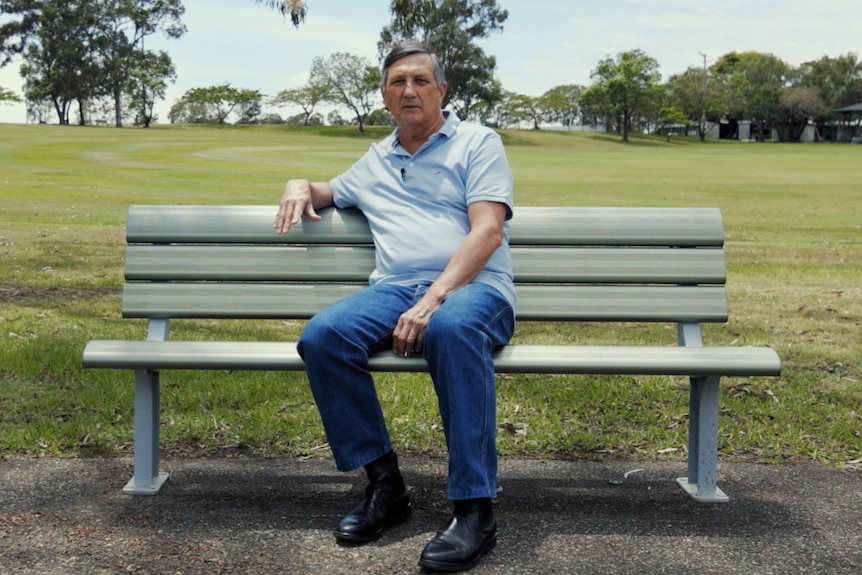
x: 408, y: 49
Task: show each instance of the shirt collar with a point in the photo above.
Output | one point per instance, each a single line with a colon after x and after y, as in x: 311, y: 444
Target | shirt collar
x: 450, y: 125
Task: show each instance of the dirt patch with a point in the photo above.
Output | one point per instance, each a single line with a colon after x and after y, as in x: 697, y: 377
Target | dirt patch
x: 9, y: 294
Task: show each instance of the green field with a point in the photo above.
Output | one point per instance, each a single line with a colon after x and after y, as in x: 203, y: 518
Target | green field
x: 792, y: 213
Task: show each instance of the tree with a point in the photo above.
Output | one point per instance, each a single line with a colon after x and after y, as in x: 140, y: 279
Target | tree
x: 380, y: 117
x: 560, y: 104
x: 185, y: 111
x: 522, y: 108
x: 307, y: 98
x: 487, y: 110
x: 352, y: 81
x: 799, y: 105
x: 16, y: 34
x: 753, y: 84
x: 38, y: 111
x: 509, y: 112
x: 595, y: 106
x: 271, y: 119
x: 839, y: 80
x: 126, y: 25
x: 59, y: 57
x: 301, y: 120
x: 333, y: 118
x: 147, y: 83
x: 697, y: 94
x: 627, y: 87
x: 8, y: 95
x: 296, y: 9
x: 213, y: 104
x: 249, y: 107
x: 449, y: 28
x: 669, y: 117
x: 83, y: 50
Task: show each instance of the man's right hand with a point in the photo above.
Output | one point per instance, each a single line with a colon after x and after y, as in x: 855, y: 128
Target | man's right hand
x: 299, y: 199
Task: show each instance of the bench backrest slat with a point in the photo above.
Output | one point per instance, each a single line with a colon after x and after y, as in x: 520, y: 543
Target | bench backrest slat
x: 530, y: 225
x: 355, y: 263
x: 535, y: 302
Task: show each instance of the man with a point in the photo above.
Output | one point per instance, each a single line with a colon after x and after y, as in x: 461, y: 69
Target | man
x: 437, y: 195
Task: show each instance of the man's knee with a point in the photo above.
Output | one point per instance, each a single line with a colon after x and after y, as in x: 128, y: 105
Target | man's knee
x: 317, y: 335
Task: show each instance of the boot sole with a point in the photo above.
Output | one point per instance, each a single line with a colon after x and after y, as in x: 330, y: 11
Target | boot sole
x: 396, y: 517
x: 452, y: 567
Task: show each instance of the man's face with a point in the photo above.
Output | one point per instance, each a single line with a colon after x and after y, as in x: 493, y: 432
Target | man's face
x: 411, y: 93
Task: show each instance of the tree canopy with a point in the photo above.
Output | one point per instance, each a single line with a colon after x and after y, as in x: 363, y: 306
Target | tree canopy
x: 8, y: 95
x: 352, y: 81
x: 80, y: 51
x: 696, y: 94
x: 296, y: 10
x: 213, y: 105
x: 753, y: 83
x: 308, y: 98
x: 625, y: 87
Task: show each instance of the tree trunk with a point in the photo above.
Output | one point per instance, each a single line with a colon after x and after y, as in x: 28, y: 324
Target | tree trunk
x: 626, y: 125
x: 62, y: 117
x: 118, y: 107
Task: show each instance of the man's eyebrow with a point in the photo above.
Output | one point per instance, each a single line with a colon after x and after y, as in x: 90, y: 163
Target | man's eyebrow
x: 421, y: 75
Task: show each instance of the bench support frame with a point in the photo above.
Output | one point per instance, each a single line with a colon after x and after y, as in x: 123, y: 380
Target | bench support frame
x: 700, y: 484
x: 703, y: 442
x: 702, y: 428
x: 147, y: 479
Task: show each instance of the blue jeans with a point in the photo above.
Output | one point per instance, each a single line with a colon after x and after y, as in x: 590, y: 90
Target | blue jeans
x: 461, y: 334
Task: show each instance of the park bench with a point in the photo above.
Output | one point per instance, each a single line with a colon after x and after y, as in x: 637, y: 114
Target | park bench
x: 571, y: 264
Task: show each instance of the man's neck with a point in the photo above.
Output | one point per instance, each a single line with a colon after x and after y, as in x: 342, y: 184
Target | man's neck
x: 412, y: 138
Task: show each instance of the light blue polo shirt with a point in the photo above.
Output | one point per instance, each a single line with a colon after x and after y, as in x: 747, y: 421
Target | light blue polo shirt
x: 416, y: 204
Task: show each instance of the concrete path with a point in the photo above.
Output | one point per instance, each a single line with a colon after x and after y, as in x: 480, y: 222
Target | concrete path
x: 259, y: 516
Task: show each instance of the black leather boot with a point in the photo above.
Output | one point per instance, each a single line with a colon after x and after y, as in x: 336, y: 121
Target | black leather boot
x: 386, y: 503
x: 470, y: 533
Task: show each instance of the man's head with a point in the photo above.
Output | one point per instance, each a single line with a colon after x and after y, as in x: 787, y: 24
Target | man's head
x: 408, y: 49
x: 413, y: 85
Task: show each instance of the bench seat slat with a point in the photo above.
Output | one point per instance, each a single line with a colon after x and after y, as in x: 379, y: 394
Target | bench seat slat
x: 355, y: 263
x: 623, y: 360
x: 530, y: 225
x: 535, y: 302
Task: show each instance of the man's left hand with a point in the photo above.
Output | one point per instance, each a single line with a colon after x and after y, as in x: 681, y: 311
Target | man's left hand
x: 409, y: 333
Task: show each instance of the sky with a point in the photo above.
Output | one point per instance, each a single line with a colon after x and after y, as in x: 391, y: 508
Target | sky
x: 544, y: 43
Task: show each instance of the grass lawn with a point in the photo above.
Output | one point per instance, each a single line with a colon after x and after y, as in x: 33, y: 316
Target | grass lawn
x: 792, y: 214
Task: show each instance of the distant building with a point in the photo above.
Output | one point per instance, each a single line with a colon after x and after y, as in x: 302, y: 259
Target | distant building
x: 849, y: 129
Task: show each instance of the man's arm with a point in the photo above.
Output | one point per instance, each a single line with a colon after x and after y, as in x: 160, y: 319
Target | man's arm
x: 485, y: 236
x: 301, y: 197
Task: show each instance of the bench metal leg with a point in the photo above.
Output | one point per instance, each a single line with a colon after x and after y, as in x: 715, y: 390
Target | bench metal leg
x: 703, y: 442
x: 147, y: 479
